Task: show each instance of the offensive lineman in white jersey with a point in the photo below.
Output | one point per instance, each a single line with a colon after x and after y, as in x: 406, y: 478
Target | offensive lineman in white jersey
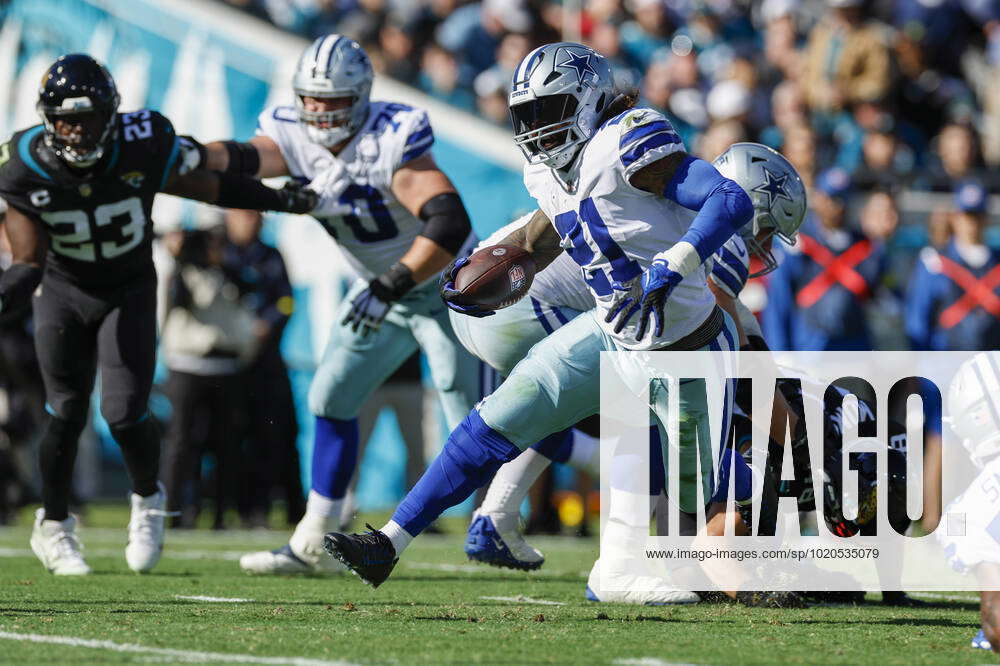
x: 400, y: 221
x: 494, y: 536
x: 639, y: 216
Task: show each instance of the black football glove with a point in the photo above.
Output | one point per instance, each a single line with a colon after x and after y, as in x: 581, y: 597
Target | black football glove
x: 297, y: 198
x: 370, y: 308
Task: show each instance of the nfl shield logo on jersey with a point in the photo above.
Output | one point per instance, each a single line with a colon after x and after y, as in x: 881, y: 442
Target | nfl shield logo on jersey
x: 516, y: 275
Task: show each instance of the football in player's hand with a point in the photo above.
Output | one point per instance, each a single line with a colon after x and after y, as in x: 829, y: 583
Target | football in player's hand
x: 496, y: 277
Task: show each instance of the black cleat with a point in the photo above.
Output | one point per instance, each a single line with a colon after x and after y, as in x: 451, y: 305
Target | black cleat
x: 902, y: 599
x: 371, y: 557
x: 771, y: 599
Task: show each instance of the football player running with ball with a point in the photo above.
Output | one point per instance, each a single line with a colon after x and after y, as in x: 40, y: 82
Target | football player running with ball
x: 558, y: 295
x: 400, y: 221
x: 640, y: 217
x: 80, y: 188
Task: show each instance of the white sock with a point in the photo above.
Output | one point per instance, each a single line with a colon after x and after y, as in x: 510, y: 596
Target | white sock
x: 325, y: 510
x: 586, y: 452
x: 512, y: 481
x: 399, y: 537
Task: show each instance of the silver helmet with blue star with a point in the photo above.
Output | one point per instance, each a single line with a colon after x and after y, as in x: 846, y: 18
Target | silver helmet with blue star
x: 973, y: 406
x: 557, y: 96
x: 777, y: 193
x: 333, y: 67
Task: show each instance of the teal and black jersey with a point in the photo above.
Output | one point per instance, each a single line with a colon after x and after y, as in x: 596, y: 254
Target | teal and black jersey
x: 99, y: 222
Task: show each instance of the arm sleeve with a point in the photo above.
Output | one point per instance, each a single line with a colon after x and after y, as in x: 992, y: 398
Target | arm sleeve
x: 723, y: 207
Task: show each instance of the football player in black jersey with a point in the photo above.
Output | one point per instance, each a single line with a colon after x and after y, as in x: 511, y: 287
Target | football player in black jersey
x: 80, y: 188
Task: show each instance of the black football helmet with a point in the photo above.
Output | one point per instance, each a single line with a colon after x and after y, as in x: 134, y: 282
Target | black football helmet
x: 78, y: 90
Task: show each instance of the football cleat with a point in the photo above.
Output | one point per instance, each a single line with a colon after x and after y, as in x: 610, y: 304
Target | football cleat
x: 980, y: 643
x: 755, y: 599
x: 902, y: 599
x: 278, y: 561
x: 303, y: 554
x: 56, y: 545
x: 495, y: 538
x: 145, y: 530
x: 636, y: 589
x: 834, y: 597
x: 371, y: 557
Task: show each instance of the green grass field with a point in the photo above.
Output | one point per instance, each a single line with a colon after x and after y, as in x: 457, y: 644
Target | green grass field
x: 436, y: 609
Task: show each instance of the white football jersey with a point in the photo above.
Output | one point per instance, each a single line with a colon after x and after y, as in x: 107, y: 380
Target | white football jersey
x: 980, y: 530
x: 559, y: 284
x: 613, y: 230
x: 383, y: 229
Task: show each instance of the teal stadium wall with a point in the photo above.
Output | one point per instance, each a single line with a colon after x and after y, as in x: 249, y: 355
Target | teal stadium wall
x: 211, y: 70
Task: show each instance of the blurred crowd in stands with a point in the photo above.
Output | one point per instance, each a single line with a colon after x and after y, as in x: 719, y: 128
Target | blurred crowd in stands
x: 878, y: 103
x: 896, y: 92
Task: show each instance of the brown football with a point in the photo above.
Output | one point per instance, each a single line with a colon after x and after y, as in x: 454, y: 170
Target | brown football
x: 496, y: 277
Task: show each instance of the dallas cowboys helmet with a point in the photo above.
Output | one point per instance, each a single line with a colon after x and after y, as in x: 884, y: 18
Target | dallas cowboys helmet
x: 79, y: 90
x: 974, y: 406
x: 777, y: 192
x: 333, y: 66
x: 557, y: 96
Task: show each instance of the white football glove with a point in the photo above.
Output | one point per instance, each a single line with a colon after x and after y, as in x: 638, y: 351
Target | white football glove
x: 191, y: 154
x: 330, y: 185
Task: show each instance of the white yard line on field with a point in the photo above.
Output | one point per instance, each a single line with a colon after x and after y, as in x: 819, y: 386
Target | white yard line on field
x: 520, y: 599
x: 178, y: 655
x: 212, y: 600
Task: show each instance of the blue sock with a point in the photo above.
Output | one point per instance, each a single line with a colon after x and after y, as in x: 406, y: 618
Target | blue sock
x: 734, y: 464
x: 557, y: 447
x: 469, y: 459
x: 335, y: 455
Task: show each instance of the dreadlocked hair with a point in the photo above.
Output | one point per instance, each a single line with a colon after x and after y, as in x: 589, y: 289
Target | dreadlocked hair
x: 623, y: 101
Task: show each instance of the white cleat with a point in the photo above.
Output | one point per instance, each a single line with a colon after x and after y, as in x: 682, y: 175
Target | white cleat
x: 303, y: 554
x: 56, y: 545
x: 145, y: 530
x: 629, y: 588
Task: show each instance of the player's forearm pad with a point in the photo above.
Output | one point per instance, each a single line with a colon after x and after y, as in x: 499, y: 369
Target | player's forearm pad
x: 243, y: 158
x: 394, y: 283
x: 237, y: 191
x: 446, y: 221
x: 17, y: 283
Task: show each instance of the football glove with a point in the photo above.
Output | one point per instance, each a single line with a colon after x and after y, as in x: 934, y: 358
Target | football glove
x: 370, y: 307
x: 448, y: 292
x: 192, y: 154
x: 330, y: 185
x: 647, y: 296
x: 297, y: 198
